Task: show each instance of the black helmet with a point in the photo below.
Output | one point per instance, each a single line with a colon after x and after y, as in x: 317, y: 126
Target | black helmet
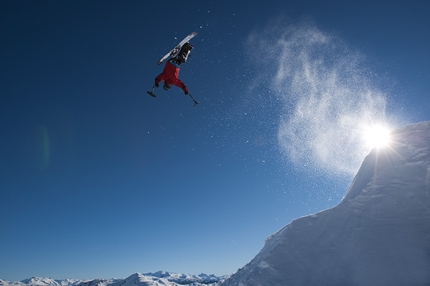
x: 167, y: 86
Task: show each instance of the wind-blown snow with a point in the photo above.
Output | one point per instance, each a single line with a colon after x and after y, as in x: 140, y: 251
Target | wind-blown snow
x: 378, y: 235
x: 328, y: 96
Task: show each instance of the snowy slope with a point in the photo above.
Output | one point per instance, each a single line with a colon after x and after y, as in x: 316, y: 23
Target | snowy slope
x: 160, y: 278
x: 378, y: 235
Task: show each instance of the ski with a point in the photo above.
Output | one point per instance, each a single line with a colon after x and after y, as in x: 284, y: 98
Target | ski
x: 151, y: 93
x: 174, y: 52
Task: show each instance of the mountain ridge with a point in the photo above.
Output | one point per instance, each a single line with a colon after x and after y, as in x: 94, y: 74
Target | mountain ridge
x: 137, y: 279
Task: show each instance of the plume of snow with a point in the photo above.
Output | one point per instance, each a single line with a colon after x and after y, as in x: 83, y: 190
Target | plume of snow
x: 326, y: 92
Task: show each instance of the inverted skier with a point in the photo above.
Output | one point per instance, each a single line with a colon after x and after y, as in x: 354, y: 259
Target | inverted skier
x: 170, y: 74
x: 178, y: 55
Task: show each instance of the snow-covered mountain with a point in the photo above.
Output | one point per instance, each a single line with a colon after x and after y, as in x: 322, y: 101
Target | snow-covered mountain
x: 160, y: 278
x: 378, y: 235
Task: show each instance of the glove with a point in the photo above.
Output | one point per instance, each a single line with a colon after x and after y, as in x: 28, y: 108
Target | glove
x: 156, y: 84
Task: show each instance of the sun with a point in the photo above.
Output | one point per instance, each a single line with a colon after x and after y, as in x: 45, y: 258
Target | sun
x: 377, y: 136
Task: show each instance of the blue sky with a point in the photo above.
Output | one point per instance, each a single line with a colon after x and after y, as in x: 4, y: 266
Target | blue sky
x: 100, y: 180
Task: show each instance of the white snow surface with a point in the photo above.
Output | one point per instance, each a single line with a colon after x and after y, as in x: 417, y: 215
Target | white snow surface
x: 160, y: 278
x: 378, y: 235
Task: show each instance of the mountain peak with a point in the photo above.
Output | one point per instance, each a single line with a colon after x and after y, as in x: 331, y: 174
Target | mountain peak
x: 378, y: 235
x: 407, y: 156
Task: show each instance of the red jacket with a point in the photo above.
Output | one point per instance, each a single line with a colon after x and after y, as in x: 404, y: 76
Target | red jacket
x: 170, y: 76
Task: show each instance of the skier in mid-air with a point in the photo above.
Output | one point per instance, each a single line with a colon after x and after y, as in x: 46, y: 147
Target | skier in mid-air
x: 171, y: 70
x: 178, y: 56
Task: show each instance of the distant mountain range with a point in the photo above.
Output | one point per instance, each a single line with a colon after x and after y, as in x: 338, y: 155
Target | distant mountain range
x: 160, y: 278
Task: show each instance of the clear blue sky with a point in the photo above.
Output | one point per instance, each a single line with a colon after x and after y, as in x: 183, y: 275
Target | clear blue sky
x: 100, y: 180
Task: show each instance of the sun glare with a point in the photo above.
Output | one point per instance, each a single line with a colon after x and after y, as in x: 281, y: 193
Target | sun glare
x: 377, y: 136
